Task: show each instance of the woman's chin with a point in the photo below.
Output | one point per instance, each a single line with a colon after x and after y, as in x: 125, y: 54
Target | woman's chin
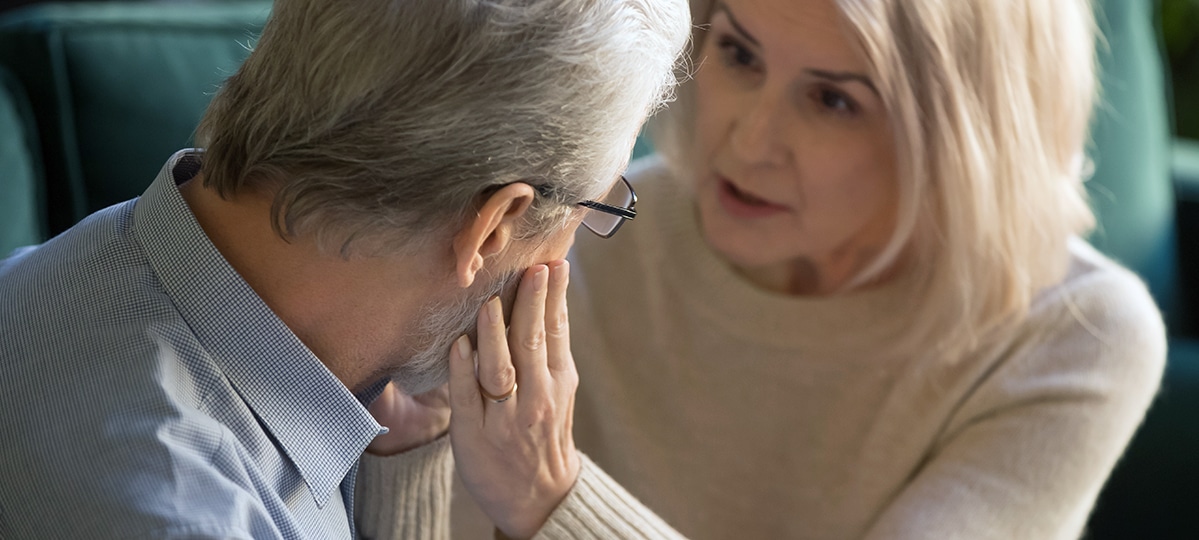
x: 740, y: 248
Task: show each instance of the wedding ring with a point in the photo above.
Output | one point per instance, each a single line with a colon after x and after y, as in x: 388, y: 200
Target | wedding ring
x: 498, y: 399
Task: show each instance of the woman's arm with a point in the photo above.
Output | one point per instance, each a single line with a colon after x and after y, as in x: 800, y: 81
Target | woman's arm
x: 599, y: 508
x: 405, y: 495
x: 1027, y: 453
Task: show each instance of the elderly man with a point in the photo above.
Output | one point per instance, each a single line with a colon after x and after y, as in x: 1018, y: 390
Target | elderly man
x: 198, y: 362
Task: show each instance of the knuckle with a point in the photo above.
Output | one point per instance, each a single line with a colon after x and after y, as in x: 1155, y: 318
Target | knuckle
x: 502, y: 379
x: 558, y: 325
x: 539, y: 415
x: 533, y: 342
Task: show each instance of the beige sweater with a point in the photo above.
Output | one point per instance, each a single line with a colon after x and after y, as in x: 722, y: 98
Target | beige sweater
x: 736, y: 413
x: 407, y: 496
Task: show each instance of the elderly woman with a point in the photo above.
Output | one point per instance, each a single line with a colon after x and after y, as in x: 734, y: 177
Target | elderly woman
x: 855, y: 303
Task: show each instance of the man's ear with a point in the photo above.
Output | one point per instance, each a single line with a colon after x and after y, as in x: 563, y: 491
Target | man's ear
x: 491, y: 230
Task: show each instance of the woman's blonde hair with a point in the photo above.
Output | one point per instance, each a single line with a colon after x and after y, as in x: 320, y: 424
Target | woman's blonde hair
x: 387, y: 119
x: 990, y: 103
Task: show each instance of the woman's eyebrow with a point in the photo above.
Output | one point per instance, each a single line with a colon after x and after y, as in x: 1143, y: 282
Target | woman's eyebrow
x: 835, y: 76
x: 737, y: 26
x: 844, y: 76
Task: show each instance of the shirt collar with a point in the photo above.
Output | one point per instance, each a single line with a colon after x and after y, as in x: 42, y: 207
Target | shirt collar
x: 318, y: 423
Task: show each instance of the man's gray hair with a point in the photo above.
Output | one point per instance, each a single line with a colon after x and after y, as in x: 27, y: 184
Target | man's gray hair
x: 387, y: 120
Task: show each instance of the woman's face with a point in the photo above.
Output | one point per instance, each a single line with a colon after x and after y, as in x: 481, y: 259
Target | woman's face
x: 795, y: 152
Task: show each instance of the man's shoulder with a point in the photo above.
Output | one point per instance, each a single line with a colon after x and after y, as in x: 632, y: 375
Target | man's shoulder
x: 86, y: 322
x: 103, y: 379
x: 78, y: 292
x: 117, y: 432
x: 137, y: 476
x: 97, y: 255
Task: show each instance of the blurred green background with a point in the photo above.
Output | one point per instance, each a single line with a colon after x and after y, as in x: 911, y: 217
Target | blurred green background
x: 1180, y: 34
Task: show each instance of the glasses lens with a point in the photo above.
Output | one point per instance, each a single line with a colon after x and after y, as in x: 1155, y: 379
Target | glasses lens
x: 620, y: 195
x: 603, y: 223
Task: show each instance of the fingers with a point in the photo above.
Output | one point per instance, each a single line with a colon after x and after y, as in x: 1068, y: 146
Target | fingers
x: 507, y: 357
x: 517, y: 458
x: 466, y: 403
x: 527, y: 334
x: 496, y: 374
x: 557, y: 324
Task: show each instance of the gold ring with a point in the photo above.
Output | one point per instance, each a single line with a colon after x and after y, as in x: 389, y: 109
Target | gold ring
x: 498, y: 399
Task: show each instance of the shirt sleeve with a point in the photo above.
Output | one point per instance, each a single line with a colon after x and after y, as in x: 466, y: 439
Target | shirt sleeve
x: 1029, y: 450
x: 405, y: 496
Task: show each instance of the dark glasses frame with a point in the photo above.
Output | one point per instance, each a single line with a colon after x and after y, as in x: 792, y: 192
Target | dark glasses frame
x: 622, y: 212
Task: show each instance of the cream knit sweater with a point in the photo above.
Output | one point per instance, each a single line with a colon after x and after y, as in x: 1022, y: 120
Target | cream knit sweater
x: 736, y: 413
x: 407, y: 496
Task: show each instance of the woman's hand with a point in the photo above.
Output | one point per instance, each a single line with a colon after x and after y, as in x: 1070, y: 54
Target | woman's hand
x: 412, y: 421
x: 514, y: 448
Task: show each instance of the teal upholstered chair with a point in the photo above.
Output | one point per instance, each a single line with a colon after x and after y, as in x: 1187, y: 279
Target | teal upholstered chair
x: 1142, y: 190
x: 116, y: 88
x: 20, y: 169
x: 1131, y: 190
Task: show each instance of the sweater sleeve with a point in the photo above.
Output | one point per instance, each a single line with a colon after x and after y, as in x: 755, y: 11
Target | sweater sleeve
x: 405, y: 496
x: 598, y: 508
x: 1027, y: 452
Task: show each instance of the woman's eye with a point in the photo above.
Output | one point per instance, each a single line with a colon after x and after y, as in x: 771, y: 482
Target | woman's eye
x: 836, y: 101
x: 734, y: 54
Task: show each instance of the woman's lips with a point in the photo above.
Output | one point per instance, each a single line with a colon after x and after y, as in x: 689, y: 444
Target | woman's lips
x: 740, y: 204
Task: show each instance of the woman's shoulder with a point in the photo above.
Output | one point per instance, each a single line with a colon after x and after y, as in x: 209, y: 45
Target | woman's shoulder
x: 1096, y: 286
x: 1094, y: 339
x: 1100, y: 317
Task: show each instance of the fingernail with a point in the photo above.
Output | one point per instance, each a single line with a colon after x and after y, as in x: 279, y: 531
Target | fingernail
x: 463, y: 347
x: 540, y: 278
x: 494, y: 311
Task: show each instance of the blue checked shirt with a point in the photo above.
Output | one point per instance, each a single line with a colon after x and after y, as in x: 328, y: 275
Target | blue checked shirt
x: 147, y: 392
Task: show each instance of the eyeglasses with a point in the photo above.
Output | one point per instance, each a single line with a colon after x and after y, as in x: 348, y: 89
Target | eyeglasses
x: 605, y: 217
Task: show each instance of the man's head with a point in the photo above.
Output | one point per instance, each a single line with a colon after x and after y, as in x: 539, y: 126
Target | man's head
x: 460, y: 128
x: 379, y: 123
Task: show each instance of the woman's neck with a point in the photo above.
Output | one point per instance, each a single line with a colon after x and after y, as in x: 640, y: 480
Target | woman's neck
x: 820, y: 276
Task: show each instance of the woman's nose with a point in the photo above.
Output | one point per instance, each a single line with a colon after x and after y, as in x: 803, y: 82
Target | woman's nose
x: 758, y: 130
